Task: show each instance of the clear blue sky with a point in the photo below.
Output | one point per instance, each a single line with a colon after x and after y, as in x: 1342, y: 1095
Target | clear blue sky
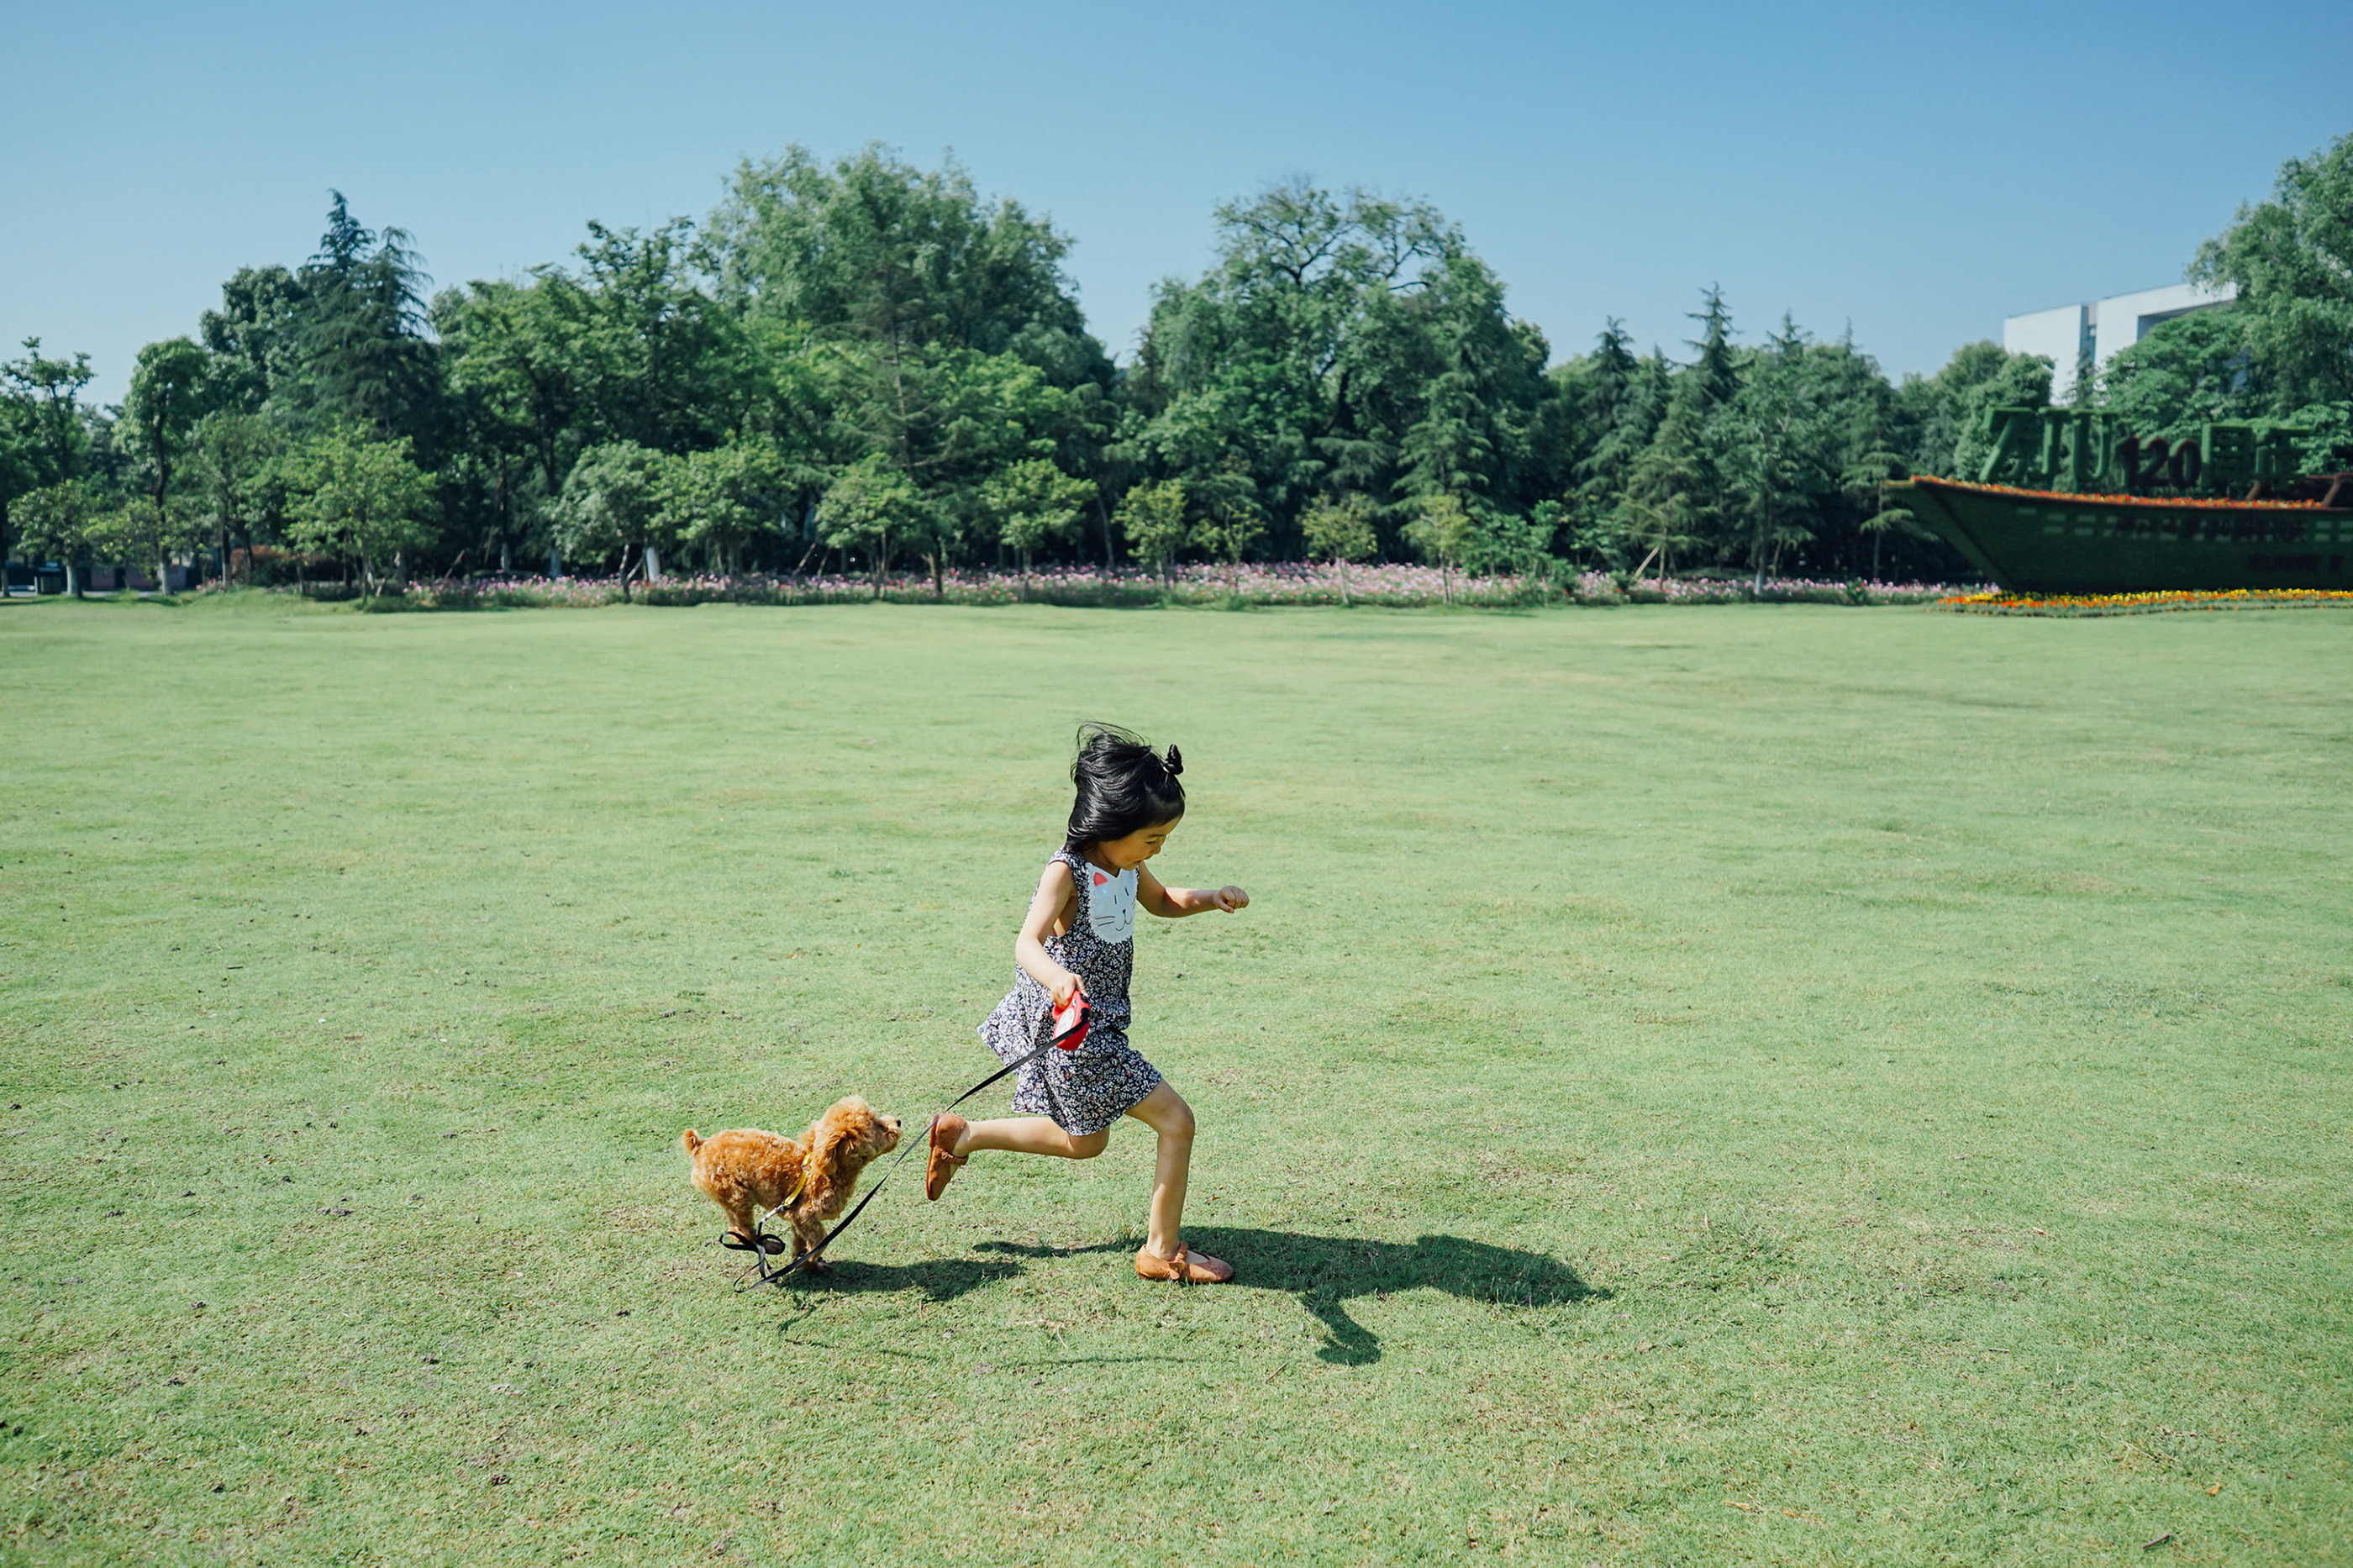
x: 1916, y: 171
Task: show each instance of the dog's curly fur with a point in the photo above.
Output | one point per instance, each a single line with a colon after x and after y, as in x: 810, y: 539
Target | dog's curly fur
x: 747, y: 1172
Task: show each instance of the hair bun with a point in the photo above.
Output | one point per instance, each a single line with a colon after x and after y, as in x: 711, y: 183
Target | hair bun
x: 1173, y: 762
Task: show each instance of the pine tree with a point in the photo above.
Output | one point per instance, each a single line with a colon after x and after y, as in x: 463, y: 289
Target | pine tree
x: 358, y: 351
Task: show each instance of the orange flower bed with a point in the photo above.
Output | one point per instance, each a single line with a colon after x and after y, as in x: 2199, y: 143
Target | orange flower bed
x: 2087, y: 498
x: 1993, y: 602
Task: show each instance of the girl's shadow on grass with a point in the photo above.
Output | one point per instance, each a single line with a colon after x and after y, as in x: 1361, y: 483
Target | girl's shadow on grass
x: 1326, y: 1272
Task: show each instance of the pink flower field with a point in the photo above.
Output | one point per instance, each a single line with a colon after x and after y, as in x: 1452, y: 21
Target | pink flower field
x: 1286, y: 582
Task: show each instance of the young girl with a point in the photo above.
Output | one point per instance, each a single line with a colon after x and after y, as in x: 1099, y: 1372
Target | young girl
x: 1079, y: 936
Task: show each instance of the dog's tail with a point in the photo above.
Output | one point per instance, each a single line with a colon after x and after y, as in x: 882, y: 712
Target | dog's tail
x: 688, y: 1141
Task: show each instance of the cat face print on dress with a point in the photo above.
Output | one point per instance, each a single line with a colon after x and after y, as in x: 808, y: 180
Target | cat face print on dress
x: 1111, y: 903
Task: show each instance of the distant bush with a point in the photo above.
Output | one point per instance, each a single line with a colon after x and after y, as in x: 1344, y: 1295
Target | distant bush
x: 268, y: 567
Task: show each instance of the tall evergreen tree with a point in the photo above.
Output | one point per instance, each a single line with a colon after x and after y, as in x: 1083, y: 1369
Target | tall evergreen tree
x: 358, y: 352
x: 1680, y: 478
x: 1715, y: 373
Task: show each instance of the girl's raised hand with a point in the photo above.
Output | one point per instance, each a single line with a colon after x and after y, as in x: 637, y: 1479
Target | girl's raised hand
x: 1229, y: 898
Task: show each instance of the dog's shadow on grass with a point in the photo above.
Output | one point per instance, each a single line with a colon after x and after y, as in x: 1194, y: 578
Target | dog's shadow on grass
x: 1326, y: 1272
x: 940, y: 1279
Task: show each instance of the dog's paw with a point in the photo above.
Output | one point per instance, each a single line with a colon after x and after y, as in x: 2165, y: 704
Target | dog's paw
x: 816, y: 1265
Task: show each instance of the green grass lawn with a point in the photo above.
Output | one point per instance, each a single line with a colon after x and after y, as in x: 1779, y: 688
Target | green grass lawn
x: 1774, y: 1085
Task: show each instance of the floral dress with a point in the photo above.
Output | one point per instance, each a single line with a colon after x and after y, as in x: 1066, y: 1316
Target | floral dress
x: 1087, y: 1089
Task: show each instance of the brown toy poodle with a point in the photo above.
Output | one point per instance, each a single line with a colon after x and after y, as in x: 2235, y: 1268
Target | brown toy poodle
x: 748, y: 1173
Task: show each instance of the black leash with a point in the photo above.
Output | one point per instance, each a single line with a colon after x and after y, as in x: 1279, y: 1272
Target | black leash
x: 778, y: 1275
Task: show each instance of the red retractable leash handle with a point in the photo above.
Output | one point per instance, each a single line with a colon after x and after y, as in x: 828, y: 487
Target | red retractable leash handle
x: 1071, y: 1021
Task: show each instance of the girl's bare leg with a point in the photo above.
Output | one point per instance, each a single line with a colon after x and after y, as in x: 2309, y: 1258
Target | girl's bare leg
x: 1164, y: 1111
x: 1034, y: 1135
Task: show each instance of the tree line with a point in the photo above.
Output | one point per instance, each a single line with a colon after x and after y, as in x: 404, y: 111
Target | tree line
x: 866, y: 364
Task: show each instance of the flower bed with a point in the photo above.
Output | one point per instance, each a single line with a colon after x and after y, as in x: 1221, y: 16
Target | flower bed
x: 1284, y: 582
x: 1595, y: 588
x: 1993, y: 602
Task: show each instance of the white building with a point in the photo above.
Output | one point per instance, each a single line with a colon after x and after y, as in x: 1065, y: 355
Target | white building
x: 2072, y: 333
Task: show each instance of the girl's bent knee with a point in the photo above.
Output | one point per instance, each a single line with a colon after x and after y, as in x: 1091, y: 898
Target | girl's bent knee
x: 1089, y: 1146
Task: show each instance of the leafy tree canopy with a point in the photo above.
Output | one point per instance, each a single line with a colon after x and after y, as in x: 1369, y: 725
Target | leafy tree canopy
x: 875, y: 251
x: 1342, y: 341
x: 2291, y: 260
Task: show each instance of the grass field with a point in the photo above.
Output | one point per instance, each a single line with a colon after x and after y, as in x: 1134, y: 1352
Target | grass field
x: 1766, y: 1084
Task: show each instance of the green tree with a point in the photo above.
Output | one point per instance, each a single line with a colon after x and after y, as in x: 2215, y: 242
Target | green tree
x: 18, y: 473
x: 723, y: 497
x: 875, y: 252
x: 1472, y: 437
x: 1616, y: 402
x: 359, y: 499
x: 2186, y: 372
x: 1340, y: 530
x: 1680, y: 478
x: 1674, y: 494
x: 519, y: 352
x: 232, y: 464
x: 661, y: 362
x: 1441, y: 533
x: 1865, y: 479
x: 252, y: 337
x: 937, y: 330
x: 142, y: 531
x: 169, y: 387
x: 1033, y: 502
x: 1714, y: 371
x: 2291, y: 260
x: 1654, y: 530
x: 612, y: 505
x: 42, y: 438
x: 20, y: 466
x: 357, y: 352
x: 948, y: 420
x: 54, y: 523
x: 1152, y: 520
x: 1341, y: 341
x: 869, y: 507
x: 1946, y: 413
x: 54, y: 433
x: 1783, y: 452
x: 1516, y: 543
x: 1232, y: 520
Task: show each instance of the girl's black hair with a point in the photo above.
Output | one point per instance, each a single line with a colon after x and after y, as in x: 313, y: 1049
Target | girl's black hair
x: 1124, y: 785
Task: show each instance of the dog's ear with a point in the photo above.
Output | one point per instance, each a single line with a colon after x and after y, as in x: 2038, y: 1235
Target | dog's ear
x: 821, y: 1166
x: 688, y: 1141
x: 823, y: 1134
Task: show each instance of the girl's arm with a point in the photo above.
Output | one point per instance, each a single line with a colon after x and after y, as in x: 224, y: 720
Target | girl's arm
x: 1054, y: 890
x: 1170, y: 903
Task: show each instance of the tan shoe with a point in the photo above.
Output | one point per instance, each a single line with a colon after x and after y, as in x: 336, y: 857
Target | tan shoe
x: 940, y: 1166
x: 1189, y: 1267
